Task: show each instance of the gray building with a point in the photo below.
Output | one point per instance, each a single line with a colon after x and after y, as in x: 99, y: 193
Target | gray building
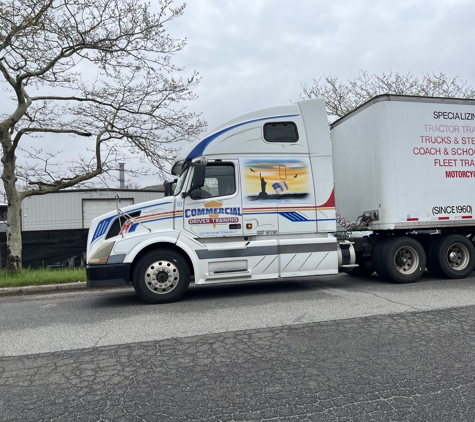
x: 74, y: 209
x: 55, y: 225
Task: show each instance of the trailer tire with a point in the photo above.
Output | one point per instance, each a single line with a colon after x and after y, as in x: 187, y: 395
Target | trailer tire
x: 429, y: 249
x: 377, y: 250
x: 452, y: 256
x: 161, y: 276
x: 402, y: 260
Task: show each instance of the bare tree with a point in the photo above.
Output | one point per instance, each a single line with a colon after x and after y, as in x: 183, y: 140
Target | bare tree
x: 96, y: 70
x: 341, y: 98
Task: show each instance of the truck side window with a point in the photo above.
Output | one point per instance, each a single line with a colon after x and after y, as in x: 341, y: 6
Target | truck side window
x: 281, y: 132
x: 219, y: 179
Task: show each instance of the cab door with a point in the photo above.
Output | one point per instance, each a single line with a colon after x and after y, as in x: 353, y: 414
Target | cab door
x: 218, y: 213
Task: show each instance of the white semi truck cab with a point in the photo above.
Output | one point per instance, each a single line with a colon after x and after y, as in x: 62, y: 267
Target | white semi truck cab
x: 255, y: 199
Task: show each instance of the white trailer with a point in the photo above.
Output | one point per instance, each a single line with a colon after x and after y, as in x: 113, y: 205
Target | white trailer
x: 255, y: 199
x: 399, y: 160
x: 408, y: 165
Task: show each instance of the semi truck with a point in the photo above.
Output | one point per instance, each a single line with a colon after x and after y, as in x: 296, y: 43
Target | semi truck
x: 388, y: 188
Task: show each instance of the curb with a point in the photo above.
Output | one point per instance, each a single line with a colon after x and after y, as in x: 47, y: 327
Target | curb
x: 47, y: 288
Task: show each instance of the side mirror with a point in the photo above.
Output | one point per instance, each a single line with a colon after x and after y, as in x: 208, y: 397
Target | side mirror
x: 198, y: 176
x: 196, y: 194
x: 168, y: 186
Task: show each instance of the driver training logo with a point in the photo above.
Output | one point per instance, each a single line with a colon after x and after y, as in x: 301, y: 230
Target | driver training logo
x: 213, y: 213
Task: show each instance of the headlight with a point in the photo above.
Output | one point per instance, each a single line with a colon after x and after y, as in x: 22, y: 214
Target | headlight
x: 101, y: 255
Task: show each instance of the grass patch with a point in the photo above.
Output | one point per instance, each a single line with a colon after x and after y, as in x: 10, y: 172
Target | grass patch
x: 29, y: 277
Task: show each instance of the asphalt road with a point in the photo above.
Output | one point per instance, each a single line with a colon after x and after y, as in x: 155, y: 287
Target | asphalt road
x: 329, y: 348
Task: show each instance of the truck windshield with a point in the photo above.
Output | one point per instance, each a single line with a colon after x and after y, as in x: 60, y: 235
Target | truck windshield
x: 181, y: 181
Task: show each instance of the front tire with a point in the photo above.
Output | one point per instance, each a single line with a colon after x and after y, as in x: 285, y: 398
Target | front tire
x: 161, y: 276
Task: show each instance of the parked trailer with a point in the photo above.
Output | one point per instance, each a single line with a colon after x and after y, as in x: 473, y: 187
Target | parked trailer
x: 256, y: 198
x: 408, y: 165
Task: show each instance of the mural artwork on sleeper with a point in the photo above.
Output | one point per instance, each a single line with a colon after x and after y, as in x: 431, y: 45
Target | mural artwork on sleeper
x: 278, y: 179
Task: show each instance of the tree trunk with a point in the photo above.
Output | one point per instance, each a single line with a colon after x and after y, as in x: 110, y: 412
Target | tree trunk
x: 14, y: 204
x: 14, y: 235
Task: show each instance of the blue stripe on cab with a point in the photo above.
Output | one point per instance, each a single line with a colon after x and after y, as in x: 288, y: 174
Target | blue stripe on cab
x: 293, y: 216
x: 200, y: 148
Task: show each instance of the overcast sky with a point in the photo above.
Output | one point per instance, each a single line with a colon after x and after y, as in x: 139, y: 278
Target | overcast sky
x: 257, y: 53
x: 253, y: 54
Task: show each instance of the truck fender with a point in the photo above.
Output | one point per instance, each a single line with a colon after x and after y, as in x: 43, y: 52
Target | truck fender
x: 187, y: 245
x: 134, y: 245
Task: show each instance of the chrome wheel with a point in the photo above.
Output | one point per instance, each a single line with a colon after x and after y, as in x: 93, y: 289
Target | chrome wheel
x: 161, y: 277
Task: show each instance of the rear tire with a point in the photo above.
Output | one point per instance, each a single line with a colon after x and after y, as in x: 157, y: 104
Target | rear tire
x: 452, y: 256
x: 377, y: 250
x: 402, y: 260
x: 431, y: 259
x: 161, y: 276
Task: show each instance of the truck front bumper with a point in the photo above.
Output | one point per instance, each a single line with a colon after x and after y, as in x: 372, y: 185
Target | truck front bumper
x: 104, y: 275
